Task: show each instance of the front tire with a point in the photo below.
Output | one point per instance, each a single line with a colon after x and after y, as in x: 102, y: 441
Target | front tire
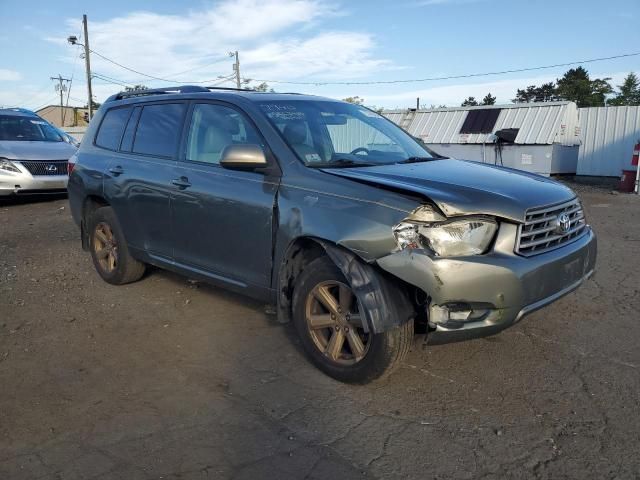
x: 109, y: 250
x: 329, y: 320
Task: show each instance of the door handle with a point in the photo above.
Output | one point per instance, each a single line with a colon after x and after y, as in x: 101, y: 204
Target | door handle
x: 181, y: 183
x: 116, y: 170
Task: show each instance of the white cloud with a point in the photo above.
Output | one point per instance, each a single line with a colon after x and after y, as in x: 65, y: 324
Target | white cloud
x: 276, y: 39
x: 9, y: 75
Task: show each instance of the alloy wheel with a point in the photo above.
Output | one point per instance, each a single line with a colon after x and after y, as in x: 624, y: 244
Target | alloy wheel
x: 105, y: 247
x: 335, y: 323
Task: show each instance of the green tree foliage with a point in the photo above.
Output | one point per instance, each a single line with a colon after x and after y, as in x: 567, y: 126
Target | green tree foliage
x: 355, y: 100
x: 262, y: 87
x: 629, y: 93
x: 544, y: 93
x: 577, y: 86
x: 470, y: 102
x: 488, y: 99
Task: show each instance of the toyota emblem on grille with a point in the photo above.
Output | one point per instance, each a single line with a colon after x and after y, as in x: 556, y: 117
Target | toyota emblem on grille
x: 563, y: 223
x: 51, y: 168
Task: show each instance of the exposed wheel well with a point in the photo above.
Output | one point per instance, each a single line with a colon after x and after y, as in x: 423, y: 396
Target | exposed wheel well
x: 300, y: 253
x: 305, y: 250
x: 91, y: 203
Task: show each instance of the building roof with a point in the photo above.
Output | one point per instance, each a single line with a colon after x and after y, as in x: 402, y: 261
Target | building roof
x: 541, y: 123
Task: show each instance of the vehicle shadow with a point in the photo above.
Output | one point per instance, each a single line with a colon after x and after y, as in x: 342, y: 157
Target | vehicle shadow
x: 31, y: 199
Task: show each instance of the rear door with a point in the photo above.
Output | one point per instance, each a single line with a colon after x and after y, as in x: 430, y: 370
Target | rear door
x: 223, y: 219
x: 138, y: 182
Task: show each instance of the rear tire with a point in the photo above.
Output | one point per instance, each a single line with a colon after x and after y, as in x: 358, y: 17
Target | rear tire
x: 321, y: 307
x: 109, y: 249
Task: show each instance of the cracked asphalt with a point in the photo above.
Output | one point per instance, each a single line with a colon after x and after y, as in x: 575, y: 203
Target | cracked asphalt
x: 169, y: 379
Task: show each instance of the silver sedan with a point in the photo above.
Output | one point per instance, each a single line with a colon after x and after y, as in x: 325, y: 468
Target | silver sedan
x: 33, y: 154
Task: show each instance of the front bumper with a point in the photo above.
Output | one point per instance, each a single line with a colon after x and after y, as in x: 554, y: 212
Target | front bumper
x: 12, y: 183
x: 505, y: 285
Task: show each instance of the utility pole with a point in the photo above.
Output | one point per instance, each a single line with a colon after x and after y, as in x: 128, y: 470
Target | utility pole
x: 236, y: 67
x: 87, y: 63
x: 61, y: 87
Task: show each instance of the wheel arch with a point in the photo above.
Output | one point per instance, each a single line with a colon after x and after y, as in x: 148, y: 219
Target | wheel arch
x: 385, y: 298
x: 90, y: 204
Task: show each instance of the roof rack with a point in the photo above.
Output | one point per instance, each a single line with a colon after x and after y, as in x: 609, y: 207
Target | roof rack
x: 157, y: 91
x: 170, y: 90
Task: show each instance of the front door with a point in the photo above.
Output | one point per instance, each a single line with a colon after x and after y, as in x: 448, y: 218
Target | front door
x: 223, y: 219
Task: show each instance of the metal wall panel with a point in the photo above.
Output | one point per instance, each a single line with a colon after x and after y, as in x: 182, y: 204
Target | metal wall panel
x: 609, y: 135
x: 539, y: 123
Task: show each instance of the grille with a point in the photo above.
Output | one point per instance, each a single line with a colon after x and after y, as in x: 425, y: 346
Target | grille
x: 541, y: 232
x: 44, y: 167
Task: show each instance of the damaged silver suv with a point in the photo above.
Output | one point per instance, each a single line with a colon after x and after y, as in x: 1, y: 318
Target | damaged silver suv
x: 359, y: 234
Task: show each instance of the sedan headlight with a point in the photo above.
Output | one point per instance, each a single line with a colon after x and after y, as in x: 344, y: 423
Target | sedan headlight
x: 446, y: 238
x: 8, y: 166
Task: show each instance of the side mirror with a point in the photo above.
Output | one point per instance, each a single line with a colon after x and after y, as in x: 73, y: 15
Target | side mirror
x: 243, y: 157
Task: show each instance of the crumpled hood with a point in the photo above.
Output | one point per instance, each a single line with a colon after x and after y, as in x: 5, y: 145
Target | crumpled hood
x: 29, y: 150
x: 462, y: 187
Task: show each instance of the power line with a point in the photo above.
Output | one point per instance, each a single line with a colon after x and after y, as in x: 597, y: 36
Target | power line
x: 224, y: 59
x: 453, y: 77
x: 112, y: 80
x: 147, y: 75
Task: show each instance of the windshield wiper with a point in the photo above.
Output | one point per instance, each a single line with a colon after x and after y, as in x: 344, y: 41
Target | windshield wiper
x: 416, y: 160
x: 340, y: 163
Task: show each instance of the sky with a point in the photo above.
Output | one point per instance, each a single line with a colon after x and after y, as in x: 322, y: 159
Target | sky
x: 313, y: 41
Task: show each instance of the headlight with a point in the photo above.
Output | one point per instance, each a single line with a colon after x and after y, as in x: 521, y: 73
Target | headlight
x: 8, y: 166
x: 453, y: 238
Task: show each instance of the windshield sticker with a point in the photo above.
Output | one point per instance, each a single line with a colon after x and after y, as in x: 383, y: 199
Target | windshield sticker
x: 38, y: 122
x: 286, y: 115
x: 312, y: 157
x: 272, y: 107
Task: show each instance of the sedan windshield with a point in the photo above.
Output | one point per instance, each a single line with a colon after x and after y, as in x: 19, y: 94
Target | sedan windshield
x: 24, y: 128
x: 337, y: 134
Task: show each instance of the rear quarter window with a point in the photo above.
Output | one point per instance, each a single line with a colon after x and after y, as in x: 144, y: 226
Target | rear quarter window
x: 158, y: 131
x: 111, y: 128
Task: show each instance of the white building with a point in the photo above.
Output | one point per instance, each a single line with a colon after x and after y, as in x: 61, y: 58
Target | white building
x: 547, y: 135
x: 608, y: 137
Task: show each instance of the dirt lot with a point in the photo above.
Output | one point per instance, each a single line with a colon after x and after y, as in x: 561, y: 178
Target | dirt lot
x: 166, y: 379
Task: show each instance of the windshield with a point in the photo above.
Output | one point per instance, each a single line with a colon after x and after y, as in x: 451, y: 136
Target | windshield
x: 328, y: 134
x: 24, y: 128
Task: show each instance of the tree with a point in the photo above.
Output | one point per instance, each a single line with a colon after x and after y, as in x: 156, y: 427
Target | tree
x: 470, y: 102
x: 136, y: 87
x: 488, y: 99
x: 262, y: 87
x: 544, y: 93
x: 577, y: 86
x: 629, y: 93
x: 94, y: 105
x: 355, y: 100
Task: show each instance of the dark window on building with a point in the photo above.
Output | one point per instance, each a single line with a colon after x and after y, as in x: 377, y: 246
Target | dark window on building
x: 159, y: 129
x: 111, y: 128
x: 480, y: 121
x: 129, y: 132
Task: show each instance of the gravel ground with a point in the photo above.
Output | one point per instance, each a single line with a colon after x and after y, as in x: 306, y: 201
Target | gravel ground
x: 168, y: 379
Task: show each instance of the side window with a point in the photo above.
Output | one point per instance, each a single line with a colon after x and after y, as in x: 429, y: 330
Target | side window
x: 111, y: 128
x: 214, y: 127
x: 127, y: 139
x: 158, y: 130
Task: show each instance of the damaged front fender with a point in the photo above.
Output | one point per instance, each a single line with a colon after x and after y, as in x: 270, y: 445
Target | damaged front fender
x: 385, y: 303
